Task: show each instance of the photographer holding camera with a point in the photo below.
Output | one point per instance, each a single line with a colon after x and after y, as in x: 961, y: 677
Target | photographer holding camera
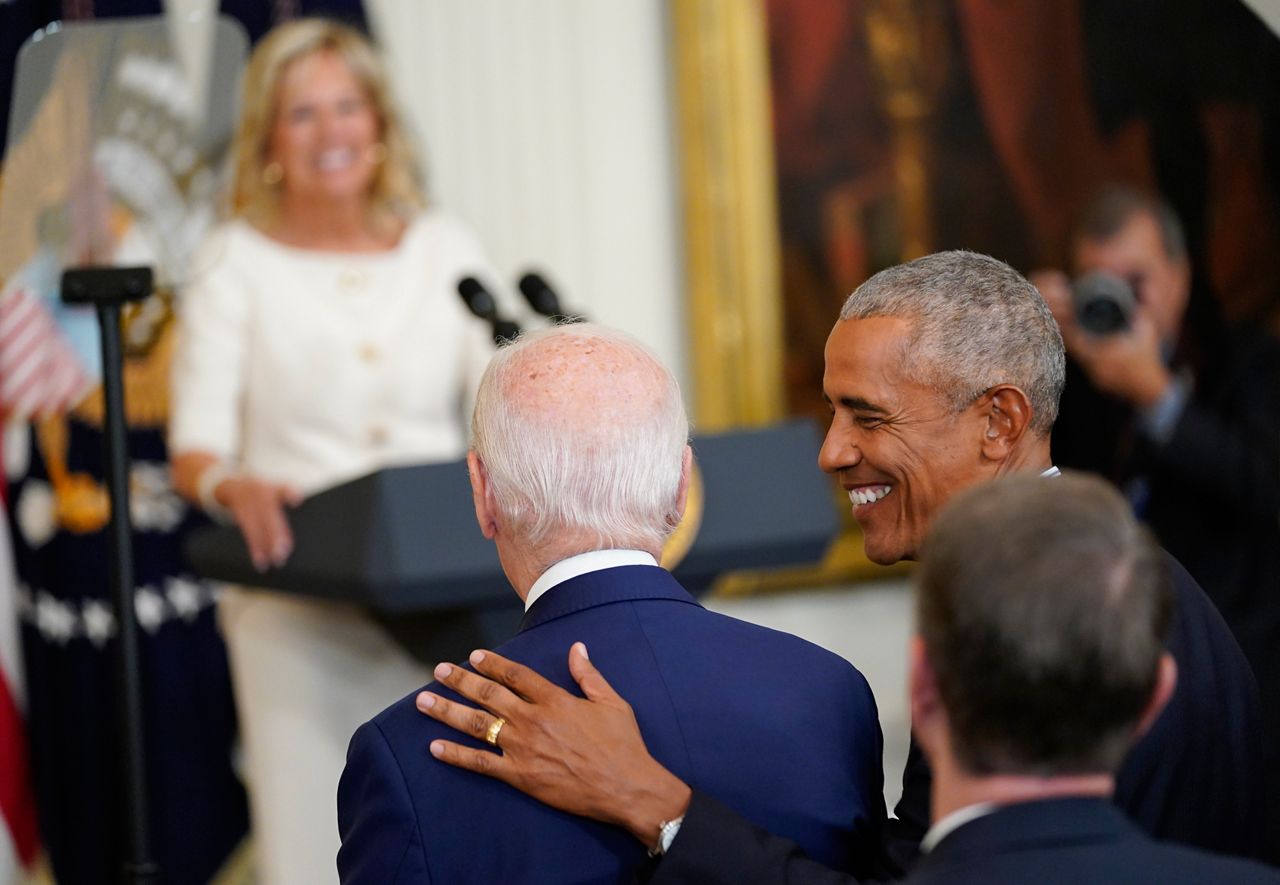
x: 1122, y: 318
x: 1181, y: 412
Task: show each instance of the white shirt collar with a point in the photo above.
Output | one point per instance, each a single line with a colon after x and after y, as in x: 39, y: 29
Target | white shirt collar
x: 954, y: 821
x: 581, y: 565
x: 1051, y: 471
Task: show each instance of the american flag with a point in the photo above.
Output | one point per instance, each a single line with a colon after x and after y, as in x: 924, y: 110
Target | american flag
x: 40, y: 374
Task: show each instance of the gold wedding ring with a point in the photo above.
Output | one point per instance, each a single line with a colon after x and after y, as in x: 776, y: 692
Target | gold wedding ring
x: 491, y: 736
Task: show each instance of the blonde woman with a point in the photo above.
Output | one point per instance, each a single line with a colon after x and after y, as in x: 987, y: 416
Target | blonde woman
x: 321, y: 338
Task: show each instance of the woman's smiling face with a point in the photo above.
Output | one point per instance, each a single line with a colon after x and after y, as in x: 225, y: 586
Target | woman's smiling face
x: 324, y: 131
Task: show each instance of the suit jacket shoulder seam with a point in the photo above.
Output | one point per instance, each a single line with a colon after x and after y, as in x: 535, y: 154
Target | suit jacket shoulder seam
x: 657, y: 666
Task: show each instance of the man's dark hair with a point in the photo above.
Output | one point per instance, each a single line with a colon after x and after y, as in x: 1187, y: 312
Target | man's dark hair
x: 1111, y: 208
x: 1043, y: 607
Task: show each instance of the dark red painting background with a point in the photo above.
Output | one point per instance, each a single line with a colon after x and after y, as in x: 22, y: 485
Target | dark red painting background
x: 1033, y: 105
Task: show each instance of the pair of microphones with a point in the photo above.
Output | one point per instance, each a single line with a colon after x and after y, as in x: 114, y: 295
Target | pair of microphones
x: 541, y: 297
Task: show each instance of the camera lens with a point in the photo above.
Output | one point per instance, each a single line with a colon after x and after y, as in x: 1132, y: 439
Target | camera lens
x: 1104, y: 303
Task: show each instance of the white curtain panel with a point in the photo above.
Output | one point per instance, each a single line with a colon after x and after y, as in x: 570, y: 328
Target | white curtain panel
x: 548, y: 126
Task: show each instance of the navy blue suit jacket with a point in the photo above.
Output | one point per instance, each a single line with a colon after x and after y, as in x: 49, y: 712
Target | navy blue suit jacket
x: 782, y: 731
x: 1072, y: 841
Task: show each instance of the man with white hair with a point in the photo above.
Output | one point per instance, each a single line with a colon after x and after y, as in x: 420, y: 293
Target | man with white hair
x: 579, y: 466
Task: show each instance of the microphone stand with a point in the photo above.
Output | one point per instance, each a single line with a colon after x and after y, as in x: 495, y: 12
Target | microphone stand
x: 504, y: 331
x: 107, y: 288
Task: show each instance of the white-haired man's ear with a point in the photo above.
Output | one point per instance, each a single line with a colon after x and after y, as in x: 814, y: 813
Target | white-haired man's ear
x: 686, y: 477
x: 482, y: 496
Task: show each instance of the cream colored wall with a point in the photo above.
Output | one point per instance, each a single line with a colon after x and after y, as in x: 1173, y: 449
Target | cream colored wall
x: 547, y: 125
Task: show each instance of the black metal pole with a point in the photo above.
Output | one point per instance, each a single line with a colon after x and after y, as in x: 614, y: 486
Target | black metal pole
x: 139, y: 866
x: 107, y: 289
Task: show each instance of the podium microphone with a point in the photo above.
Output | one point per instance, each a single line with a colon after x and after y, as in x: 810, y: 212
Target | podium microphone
x: 481, y: 303
x: 543, y: 299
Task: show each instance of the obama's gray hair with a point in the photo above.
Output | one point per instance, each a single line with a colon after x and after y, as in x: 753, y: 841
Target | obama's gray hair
x: 976, y: 323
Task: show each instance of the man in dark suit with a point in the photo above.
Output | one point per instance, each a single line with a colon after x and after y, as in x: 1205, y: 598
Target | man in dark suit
x: 579, y: 468
x: 942, y: 374
x: 1041, y: 612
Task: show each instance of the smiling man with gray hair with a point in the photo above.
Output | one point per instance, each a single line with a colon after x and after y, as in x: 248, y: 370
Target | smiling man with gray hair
x: 579, y: 468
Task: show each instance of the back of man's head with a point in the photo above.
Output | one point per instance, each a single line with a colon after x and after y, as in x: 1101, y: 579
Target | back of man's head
x: 1043, y: 607
x: 977, y: 323
x: 582, y: 432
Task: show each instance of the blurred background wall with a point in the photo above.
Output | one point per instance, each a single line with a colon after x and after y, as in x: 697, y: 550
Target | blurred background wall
x: 547, y: 126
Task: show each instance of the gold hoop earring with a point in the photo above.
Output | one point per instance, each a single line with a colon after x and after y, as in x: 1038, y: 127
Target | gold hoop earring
x: 377, y: 153
x: 272, y: 173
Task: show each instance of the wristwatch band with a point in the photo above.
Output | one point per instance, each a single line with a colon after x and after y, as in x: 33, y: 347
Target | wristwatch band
x: 667, y: 831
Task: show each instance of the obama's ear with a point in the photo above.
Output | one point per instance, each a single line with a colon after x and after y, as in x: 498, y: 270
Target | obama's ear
x: 1006, y: 410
